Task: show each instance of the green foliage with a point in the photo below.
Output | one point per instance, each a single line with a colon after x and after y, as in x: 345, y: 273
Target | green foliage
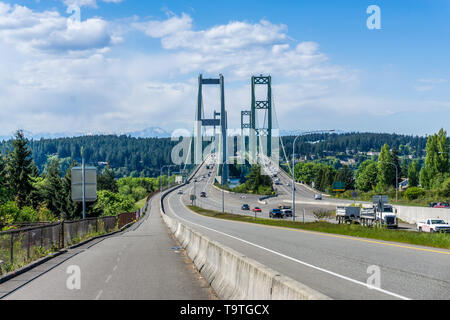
x: 20, y: 170
x: 413, y: 193
x: 413, y: 174
x: 386, y: 169
x: 107, y: 180
x: 445, y: 190
x: 256, y: 183
x: 437, y: 165
x: 111, y: 204
x: 345, y: 175
x: 367, y: 176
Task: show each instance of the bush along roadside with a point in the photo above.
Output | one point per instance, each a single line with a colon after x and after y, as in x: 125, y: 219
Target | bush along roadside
x: 436, y: 240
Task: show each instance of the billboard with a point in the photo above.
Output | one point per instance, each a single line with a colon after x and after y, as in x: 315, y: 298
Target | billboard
x: 90, y: 184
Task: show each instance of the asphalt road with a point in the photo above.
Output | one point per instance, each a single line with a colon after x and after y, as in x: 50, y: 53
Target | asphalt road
x: 139, y: 264
x: 337, y: 266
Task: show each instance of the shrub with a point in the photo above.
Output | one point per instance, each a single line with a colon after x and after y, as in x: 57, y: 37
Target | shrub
x: 445, y: 190
x: 414, y: 193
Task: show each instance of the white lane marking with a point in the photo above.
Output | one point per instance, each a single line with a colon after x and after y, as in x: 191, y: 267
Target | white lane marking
x: 99, y: 295
x: 109, y: 278
x: 115, y: 268
x: 291, y: 258
x: 118, y: 259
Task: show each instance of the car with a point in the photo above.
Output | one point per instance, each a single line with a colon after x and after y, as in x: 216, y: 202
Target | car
x: 432, y: 204
x: 442, y: 205
x: 180, y: 192
x: 287, y: 212
x: 318, y: 197
x: 276, y: 213
x: 245, y: 207
x: 256, y: 209
x: 203, y: 195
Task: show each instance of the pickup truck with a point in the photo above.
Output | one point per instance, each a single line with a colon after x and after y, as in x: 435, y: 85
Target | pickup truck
x: 433, y: 225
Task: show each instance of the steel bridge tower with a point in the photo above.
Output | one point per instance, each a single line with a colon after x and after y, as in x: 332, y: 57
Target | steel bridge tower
x: 201, y: 123
x: 260, y: 135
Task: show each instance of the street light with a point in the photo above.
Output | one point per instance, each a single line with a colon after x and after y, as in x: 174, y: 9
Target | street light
x: 293, y: 164
x: 396, y: 177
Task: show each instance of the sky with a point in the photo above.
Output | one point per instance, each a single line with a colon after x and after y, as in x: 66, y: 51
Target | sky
x: 124, y: 65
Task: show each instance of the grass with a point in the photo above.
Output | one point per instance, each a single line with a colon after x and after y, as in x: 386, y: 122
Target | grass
x: 409, y: 237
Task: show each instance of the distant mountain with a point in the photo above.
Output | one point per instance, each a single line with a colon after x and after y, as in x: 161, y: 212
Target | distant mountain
x: 151, y: 132
x: 292, y: 133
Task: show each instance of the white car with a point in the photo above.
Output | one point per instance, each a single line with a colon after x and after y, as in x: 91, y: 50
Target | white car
x: 318, y: 197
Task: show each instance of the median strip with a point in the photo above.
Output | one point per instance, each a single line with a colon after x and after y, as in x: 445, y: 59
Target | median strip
x: 415, y: 238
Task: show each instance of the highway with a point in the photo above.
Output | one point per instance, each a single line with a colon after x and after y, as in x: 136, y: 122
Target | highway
x: 336, y: 266
x: 142, y: 263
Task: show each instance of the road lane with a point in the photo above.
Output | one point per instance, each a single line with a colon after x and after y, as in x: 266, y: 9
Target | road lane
x: 406, y: 271
x: 135, y: 265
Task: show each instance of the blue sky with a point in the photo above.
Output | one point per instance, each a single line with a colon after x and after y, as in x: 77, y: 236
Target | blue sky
x: 132, y: 64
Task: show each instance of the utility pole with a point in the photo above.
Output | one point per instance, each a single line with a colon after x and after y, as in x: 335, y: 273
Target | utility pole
x: 83, y: 182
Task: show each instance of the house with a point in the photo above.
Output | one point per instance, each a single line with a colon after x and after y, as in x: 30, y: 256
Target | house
x: 403, y: 185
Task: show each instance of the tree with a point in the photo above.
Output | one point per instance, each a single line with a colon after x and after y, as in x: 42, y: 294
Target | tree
x: 20, y: 170
x: 72, y: 209
x: 53, y: 189
x: 437, y: 161
x: 386, y: 170
x: 107, y: 180
x: 4, y: 194
x: 345, y: 175
x: 396, y: 162
x: 367, y: 177
x: 413, y: 174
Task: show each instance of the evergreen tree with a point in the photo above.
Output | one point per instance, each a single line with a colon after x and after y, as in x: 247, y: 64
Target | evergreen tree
x: 53, y: 191
x: 107, y: 180
x: 20, y: 170
x: 4, y: 194
x: 396, y: 160
x: 71, y: 209
x: 413, y: 174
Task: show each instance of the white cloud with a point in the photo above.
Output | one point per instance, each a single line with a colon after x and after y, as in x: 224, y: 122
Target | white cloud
x: 49, y: 31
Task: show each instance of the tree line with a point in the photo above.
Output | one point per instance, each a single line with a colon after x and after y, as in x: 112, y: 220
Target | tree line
x: 28, y: 195
x: 387, y: 171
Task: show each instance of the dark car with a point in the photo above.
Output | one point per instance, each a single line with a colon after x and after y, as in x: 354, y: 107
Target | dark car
x: 203, y: 195
x: 245, y: 207
x: 276, y: 213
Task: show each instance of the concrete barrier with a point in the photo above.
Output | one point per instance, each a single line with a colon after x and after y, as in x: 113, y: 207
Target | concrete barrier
x: 234, y: 276
x: 414, y: 215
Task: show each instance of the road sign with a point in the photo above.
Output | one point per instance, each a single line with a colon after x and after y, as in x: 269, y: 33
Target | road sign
x: 380, y: 199
x: 339, y: 186
x: 90, y: 184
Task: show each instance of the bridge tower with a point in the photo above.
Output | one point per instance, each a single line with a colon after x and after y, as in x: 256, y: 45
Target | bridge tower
x: 260, y: 134
x: 201, y: 123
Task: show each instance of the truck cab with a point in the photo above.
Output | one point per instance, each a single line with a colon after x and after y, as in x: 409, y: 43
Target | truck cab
x: 387, y: 216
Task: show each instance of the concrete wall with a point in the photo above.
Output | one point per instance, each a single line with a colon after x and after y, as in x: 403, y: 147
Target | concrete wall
x: 234, y: 276
x: 420, y: 214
